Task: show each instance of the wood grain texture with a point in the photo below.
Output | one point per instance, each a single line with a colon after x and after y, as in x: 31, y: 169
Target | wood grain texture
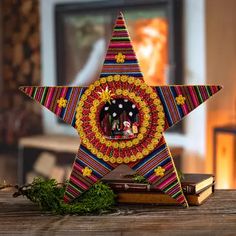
x: 216, y: 217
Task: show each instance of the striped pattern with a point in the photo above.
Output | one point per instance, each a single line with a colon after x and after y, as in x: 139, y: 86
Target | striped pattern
x: 79, y: 183
x: 169, y: 183
x: 48, y: 96
x: 195, y: 96
x: 121, y: 43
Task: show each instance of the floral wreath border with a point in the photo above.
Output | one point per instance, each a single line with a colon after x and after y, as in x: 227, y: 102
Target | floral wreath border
x: 152, y: 120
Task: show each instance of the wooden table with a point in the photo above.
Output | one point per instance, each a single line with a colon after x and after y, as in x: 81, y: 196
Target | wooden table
x: 216, y: 217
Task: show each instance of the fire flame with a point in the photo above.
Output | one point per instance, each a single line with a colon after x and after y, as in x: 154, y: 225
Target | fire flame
x: 150, y: 40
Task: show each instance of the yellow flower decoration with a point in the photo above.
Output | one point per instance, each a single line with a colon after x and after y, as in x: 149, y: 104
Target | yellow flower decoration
x: 180, y: 100
x: 125, y: 92
x: 100, y: 155
x: 115, y: 144
x: 153, y: 95
x: 144, y: 86
x: 122, y: 145
x: 106, y: 95
x: 145, y: 151
x: 140, y: 136
x: 119, y: 160
x: 92, y: 86
x: 119, y: 91
x: 126, y: 160
x: 87, y: 92
x: 157, y: 102
x: 110, y: 78
x: 139, y: 156
x: 93, y: 109
x: 83, y: 98
x: 96, y: 83
x: 78, y: 122
x: 120, y: 58
x: 131, y: 80
x: 94, y: 150
x: 155, y: 140
x: 159, y: 129
x: 160, y: 171
x: 92, y: 117
x: 134, y: 158
x: 98, y: 135
x: 117, y: 77
x: 132, y: 95
x: 103, y: 80
x: 62, y: 102
x: 87, y: 172
x: 129, y: 144
x: 137, y: 82
x: 149, y: 90
x: 96, y: 102
x: 124, y: 78
x: 112, y: 160
x: 135, y: 141
x: 150, y: 147
x: 161, y: 115
x: 105, y: 158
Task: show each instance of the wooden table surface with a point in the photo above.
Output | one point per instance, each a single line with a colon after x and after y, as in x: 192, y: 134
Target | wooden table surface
x: 217, y: 216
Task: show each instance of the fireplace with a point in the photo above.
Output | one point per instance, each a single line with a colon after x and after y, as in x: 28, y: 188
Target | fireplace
x: 83, y: 31
x: 154, y: 26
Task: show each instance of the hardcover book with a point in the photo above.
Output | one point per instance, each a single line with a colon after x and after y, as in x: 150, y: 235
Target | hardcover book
x: 161, y: 198
x: 191, y: 183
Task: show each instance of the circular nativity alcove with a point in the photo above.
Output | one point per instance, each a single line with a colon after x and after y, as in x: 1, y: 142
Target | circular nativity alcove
x: 119, y: 119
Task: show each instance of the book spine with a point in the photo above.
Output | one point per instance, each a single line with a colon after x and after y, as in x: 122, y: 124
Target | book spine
x: 187, y: 189
x: 130, y: 187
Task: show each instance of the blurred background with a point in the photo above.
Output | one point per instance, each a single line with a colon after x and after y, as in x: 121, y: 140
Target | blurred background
x: 61, y: 42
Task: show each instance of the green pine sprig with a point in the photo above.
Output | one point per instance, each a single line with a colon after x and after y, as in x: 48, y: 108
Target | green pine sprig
x: 48, y: 195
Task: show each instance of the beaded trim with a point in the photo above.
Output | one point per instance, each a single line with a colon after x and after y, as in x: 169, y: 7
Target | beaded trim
x: 152, y: 119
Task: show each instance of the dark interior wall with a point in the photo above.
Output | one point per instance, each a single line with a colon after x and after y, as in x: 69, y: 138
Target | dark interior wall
x: 20, y: 63
x: 0, y: 49
x: 21, y: 43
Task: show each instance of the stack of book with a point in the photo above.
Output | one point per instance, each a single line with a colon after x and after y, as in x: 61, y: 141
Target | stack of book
x: 197, y: 188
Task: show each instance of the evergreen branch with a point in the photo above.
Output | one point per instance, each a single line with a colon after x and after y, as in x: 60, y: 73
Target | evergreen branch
x: 4, y: 186
x: 48, y: 195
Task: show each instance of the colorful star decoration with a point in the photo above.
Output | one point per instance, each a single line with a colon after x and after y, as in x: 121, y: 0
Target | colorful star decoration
x: 120, y: 119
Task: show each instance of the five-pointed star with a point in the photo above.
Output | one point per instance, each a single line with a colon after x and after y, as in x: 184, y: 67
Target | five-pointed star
x: 159, y: 108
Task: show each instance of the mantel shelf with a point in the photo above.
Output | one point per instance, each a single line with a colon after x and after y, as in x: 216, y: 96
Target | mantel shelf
x: 64, y: 143
x: 57, y: 143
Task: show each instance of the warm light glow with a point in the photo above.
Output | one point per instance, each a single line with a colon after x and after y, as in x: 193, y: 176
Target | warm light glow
x: 150, y: 39
x: 225, y: 162
x: 219, y: 116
